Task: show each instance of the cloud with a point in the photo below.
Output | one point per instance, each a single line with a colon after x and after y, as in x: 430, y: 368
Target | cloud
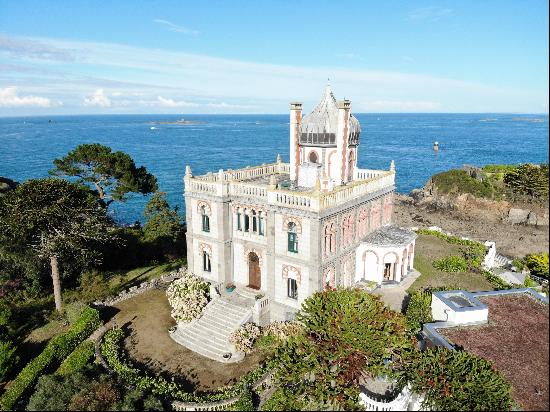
x: 431, y: 14
x: 163, y: 81
x: 97, y: 99
x: 9, y: 98
x: 176, y: 28
x: 21, y: 47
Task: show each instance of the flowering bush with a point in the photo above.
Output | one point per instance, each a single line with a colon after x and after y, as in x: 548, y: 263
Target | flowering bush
x: 188, y: 296
x: 283, y: 330
x: 244, y: 337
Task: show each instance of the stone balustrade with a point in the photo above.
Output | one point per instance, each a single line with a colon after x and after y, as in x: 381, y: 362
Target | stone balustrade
x: 229, y: 183
x: 362, y: 174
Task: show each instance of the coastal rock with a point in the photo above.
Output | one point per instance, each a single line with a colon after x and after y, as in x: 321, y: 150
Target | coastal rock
x: 518, y: 216
x: 417, y: 195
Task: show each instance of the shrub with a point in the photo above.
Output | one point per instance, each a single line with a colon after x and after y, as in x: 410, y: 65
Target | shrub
x: 528, y: 180
x: 346, y: 333
x: 451, y: 264
x: 538, y: 264
x: 456, y: 380
x: 77, y: 359
x: 529, y: 283
x: 245, y: 402
x: 283, y: 330
x: 98, y: 396
x: 495, y: 280
x: 93, y: 286
x: 188, y: 296
x: 459, y: 181
x: 519, y: 264
x: 244, y: 337
x: 54, y: 392
x: 419, y: 310
x: 111, y: 349
x: 56, y: 350
x: 7, y: 358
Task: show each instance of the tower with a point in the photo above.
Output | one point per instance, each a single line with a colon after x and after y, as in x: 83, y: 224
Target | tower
x: 323, y: 144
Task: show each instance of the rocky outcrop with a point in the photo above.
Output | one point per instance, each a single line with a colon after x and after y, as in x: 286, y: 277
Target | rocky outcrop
x: 533, y: 214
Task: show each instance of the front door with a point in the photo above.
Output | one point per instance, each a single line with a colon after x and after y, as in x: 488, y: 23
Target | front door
x: 254, y: 273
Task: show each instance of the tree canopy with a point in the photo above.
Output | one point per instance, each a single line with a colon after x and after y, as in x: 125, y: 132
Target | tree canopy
x: 348, y: 335
x: 528, y: 180
x: 457, y: 381
x: 162, y: 222
x: 56, y: 221
x: 112, y: 174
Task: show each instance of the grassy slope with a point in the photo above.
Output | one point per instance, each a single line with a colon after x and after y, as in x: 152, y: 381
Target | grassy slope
x: 431, y: 248
x: 124, y: 280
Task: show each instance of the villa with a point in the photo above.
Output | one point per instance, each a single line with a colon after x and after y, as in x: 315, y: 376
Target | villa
x: 280, y: 232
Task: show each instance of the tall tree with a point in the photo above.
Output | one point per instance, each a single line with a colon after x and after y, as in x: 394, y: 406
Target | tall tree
x: 162, y: 222
x: 112, y: 174
x: 60, y: 222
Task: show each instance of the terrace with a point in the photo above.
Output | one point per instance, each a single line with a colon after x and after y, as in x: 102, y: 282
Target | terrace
x: 270, y: 183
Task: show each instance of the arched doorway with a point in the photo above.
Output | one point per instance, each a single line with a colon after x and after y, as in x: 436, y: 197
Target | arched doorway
x: 254, y: 272
x: 313, y: 158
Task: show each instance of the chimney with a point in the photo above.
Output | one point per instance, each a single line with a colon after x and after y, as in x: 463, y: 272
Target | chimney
x: 295, y: 120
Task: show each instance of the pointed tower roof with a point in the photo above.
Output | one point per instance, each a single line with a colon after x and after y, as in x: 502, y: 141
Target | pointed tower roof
x: 324, y: 117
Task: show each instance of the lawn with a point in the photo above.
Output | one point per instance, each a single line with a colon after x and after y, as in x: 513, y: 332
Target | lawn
x: 146, y: 319
x: 430, y: 248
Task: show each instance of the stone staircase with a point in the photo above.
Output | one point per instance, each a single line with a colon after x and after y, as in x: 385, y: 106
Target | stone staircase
x: 502, y: 261
x: 209, y: 335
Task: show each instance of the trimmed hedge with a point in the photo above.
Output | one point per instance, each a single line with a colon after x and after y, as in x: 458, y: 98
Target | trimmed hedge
x: 112, y: 352
x: 54, y: 353
x: 77, y: 359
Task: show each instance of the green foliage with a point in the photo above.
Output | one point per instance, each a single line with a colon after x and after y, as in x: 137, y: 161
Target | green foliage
x: 499, y: 168
x: 54, y: 392
x: 419, y: 308
x: 346, y: 333
x: 53, y: 354
x: 529, y: 283
x: 495, y: 280
x: 457, y: 380
x: 80, y: 357
x: 112, y: 352
x: 283, y: 399
x: 99, y: 395
x: 53, y: 218
x: 459, y: 182
x: 162, y: 222
x: 245, y: 402
x: 538, y: 264
x: 93, y: 286
x: 7, y: 358
x: 451, y: 264
x: 519, y: 264
x: 528, y: 180
x: 113, y: 174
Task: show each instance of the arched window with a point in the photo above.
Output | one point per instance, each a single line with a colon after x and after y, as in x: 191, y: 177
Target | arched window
x: 205, y: 220
x: 313, y: 158
x: 330, y: 239
x: 261, y: 224
x: 239, y: 225
x: 254, y: 221
x: 292, y: 238
x: 351, y: 164
x: 246, y: 221
x: 206, y: 265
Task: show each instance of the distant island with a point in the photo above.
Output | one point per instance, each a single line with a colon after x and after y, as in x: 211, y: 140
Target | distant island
x: 528, y: 119
x: 181, y: 121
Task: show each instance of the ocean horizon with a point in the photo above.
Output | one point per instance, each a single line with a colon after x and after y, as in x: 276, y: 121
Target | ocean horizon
x: 31, y: 143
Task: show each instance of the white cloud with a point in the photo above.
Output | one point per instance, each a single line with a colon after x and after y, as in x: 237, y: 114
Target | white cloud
x: 10, y: 98
x: 34, y: 49
x: 429, y: 14
x: 162, y: 81
x: 176, y: 28
x: 97, y: 99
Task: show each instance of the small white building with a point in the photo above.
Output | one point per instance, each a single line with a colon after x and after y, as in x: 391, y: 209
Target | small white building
x: 288, y: 230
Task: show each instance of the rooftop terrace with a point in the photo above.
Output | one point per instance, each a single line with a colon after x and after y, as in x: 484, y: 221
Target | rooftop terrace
x: 515, y: 339
x: 270, y: 183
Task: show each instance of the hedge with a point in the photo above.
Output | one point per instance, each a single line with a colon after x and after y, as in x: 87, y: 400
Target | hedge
x: 54, y: 353
x: 112, y: 352
x: 77, y: 359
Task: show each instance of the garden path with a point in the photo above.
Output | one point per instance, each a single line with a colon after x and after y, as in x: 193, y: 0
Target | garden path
x: 395, y: 296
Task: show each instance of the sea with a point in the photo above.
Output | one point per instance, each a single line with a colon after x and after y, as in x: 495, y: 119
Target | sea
x: 28, y: 145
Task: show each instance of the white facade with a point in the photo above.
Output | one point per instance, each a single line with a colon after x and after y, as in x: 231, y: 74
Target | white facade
x: 288, y: 230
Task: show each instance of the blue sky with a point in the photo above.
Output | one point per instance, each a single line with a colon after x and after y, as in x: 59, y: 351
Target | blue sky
x: 59, y: 57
